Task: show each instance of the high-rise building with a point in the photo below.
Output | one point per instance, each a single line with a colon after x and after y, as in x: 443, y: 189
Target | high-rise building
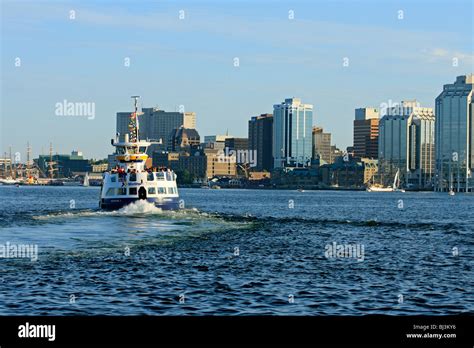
x: 261, y: 140
x: 366, y: 132
x: 156, y: 124
x: 321, y: 145
x: 292, y: 138
x: 455, y: 136
x: 406, y: 144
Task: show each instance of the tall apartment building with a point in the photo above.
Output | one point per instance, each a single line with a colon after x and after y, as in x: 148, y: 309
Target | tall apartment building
x: 292, y: 138
x: 406, y: 144
x: 366, y: 132
x: 260, y: 139
x: 455, y: 136
x: 321, y: 145
x: 156, y: 124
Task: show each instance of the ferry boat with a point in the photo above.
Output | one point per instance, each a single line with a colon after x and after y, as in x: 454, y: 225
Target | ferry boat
x: 130, y: 181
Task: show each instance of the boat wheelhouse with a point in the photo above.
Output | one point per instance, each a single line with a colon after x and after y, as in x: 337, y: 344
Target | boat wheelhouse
x: 131, y: 180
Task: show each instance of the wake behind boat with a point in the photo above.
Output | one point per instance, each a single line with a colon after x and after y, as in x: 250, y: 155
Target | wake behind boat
x: 130, y: 181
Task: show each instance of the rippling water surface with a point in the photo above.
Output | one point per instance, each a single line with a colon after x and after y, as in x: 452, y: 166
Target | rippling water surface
x: 418, y: 254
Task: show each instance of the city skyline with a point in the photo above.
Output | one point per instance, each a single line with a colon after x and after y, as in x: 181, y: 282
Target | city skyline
x: 230, y: 78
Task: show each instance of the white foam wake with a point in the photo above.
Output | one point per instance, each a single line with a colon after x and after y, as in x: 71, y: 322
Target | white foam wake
x: 139, y: 207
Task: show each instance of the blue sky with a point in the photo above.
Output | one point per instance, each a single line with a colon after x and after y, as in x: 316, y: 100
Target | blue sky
x: 190, y: 62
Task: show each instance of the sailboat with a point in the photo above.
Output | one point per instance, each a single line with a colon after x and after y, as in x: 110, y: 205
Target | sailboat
x: 451, y: 191
x: 396, y: 183
x: 395, y: 186
x: 86, y: 180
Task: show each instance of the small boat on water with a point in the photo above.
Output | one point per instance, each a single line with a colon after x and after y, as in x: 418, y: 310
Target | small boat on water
x: 130, y: 181
x: 9, y: 181
x: 86, y: 180
x: 395, y: 187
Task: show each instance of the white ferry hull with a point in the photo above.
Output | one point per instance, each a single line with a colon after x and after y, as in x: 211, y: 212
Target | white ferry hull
x: 171, y: 203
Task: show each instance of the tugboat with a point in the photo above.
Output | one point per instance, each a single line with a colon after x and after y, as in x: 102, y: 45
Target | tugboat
x: 130, y: 181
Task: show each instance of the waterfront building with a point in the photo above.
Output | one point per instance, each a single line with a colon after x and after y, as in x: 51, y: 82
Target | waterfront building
x: 65, y: 165
x: 343, y: 173
x: 99, y: 168
x: 335, y: 153
x: 455, y: 136
x: 321, y: 145
x: 366, y: 132
x: 371, y: 168
x: 195, y: 163
x: 295, y: 178
x: 406, y: 145
x: 219, y: 164
x: 184, y: 138
x: 260, y: 140
x: 292, y: 138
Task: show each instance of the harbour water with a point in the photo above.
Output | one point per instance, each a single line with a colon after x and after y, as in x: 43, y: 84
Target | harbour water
x: 238, y: 252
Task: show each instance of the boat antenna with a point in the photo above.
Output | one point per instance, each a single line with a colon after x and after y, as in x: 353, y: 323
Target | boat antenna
x: 133, y: 126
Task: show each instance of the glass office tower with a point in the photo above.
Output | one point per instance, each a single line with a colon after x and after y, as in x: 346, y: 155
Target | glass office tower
x: 292, y: 138
x: 454, y: 136
x: 406, y: 145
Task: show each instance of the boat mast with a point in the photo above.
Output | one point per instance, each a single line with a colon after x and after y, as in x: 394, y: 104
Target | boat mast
x: 133, y: 126
x: 51, y: 163
x: 11, y: 162
x: 28, y: 156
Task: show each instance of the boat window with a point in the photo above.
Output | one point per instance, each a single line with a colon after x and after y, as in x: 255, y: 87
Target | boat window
x: 132, y: 191
x: 133, y: 177
x: 113, y: 178
x: 120, y: 150
x: 150, y: 176
x: 111, y: 192
x: 142, y: 149
x: 151, y: 190
x: 160, y: 176
x: 132, y: 150
x: 170, y: 190
x: 161, y: 190
x: 168, y: 176
x: 121, y: 191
